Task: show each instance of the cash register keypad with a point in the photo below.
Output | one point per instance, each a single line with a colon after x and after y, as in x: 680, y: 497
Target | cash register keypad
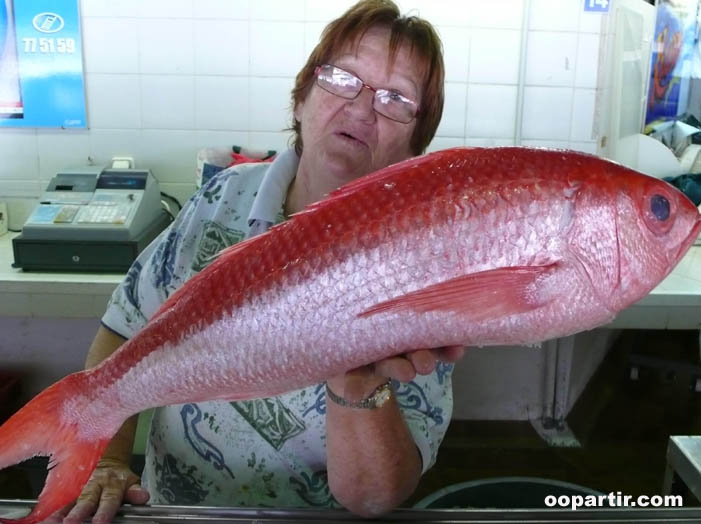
x: 104, y: 214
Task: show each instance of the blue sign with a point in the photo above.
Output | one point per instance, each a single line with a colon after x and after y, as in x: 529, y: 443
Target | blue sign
x: 41, y: 64
x: 599, y: 6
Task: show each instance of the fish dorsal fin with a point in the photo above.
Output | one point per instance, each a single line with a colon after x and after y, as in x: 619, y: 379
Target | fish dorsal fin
x: 481, y: 296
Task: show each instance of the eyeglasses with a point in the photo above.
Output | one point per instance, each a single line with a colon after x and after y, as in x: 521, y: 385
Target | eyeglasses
x: 388, y: 103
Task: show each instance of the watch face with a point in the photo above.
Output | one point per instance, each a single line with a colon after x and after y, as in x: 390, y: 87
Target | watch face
x: 383, y: 397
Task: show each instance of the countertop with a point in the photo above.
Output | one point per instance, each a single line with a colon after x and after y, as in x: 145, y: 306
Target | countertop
x: 674, y: 304
x: 51, y: 294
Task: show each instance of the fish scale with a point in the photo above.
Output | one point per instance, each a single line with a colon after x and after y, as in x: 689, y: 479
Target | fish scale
x: 472, y: 246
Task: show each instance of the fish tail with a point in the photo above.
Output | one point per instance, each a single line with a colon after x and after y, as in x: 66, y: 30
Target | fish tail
x: 41, y: 428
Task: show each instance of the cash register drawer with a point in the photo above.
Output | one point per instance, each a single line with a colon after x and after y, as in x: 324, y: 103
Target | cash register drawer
x: 69, y: 255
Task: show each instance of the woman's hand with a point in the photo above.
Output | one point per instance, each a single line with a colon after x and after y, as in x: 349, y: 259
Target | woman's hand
x: 111, y: 484
x: 359, y: 383
x: 422, y: 361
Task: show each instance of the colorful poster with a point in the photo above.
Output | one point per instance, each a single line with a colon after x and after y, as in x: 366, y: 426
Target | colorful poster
x: 672, y: 55
x: 41, y: 64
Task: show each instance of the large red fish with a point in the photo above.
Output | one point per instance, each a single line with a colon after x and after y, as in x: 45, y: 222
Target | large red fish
x: 462, y: 246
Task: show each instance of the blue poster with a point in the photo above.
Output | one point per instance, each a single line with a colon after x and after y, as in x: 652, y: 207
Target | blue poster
x: 41, y: 64
x: 672, y: 52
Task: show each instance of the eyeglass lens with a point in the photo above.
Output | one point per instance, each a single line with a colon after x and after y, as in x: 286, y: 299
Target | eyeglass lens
x: 386, y: 102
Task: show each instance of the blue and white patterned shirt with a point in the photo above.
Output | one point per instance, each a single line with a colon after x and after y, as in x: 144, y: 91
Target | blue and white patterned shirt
x: 263, y: 452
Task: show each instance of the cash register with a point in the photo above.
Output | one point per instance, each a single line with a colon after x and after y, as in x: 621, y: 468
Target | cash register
x: 92, y: 219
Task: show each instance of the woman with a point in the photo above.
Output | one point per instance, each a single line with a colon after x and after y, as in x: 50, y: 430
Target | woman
x: 371, y: 94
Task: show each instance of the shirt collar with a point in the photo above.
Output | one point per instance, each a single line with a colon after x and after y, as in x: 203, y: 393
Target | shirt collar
x: 273, y: 189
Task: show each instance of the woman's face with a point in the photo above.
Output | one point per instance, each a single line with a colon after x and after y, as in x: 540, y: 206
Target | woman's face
x: 331, y: 157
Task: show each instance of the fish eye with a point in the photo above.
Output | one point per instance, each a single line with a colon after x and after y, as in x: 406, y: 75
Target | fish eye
x: 659, y: 205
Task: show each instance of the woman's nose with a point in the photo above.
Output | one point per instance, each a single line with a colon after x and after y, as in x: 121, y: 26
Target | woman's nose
x: 361, y: 106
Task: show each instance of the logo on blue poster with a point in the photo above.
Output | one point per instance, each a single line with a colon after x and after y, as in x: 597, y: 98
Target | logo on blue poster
x: 48, y: 22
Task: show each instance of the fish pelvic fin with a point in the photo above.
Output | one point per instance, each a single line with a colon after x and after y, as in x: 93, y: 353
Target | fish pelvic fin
x: 480, y: 296
x: 37, y: 429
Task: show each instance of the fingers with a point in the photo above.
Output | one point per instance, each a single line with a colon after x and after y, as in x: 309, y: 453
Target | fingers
x: 80, y: 512
x: 86, y: 503
x: 109, y: 486
x: 449, y: 354
x: 424, y: 361
x: 136, y: 495
x: 57, y: 518
x: 398, y: 368
x: 110, y: 502
x: 112, y: 498
x: 402, y: 368
x: 421, y: 361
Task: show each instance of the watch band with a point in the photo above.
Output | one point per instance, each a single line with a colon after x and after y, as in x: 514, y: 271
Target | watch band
x: 377, y: 398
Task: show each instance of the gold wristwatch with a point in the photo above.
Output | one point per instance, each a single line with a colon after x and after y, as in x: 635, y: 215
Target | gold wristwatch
x: 377, y: 399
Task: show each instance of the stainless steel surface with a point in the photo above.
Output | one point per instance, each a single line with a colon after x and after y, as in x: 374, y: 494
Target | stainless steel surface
x: 167, y: 514
x: 684, y: 460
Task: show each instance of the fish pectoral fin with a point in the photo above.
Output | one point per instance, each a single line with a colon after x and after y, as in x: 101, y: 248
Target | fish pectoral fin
x: 480, y: 296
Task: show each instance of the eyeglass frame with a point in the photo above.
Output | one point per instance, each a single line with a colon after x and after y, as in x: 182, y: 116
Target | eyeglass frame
x: 363, y: 85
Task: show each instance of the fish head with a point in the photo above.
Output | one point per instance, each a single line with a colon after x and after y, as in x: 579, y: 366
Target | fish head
x: 656, y: 224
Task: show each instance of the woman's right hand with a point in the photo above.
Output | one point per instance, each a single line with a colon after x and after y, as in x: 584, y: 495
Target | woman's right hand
x: 111, y: 484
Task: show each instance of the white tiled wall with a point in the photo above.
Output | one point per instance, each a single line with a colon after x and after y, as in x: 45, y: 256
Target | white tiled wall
x: 166, y: 77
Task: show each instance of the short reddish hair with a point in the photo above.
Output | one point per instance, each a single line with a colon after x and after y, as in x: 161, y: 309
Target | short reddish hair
x: 417, y: 32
